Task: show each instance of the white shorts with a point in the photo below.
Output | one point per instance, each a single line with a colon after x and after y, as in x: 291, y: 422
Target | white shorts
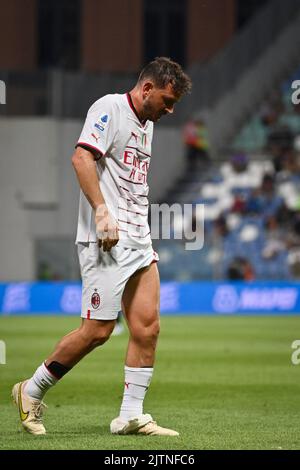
x: 105, y: 274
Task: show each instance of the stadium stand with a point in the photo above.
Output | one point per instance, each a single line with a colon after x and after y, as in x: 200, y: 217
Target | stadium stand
x: 251, y: 199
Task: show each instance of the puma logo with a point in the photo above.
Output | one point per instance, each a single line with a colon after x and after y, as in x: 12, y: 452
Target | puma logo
x: 95, y: 137
x: 135, y: 136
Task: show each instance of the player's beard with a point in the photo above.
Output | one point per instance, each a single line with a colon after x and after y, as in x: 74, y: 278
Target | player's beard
x: 149, y: 112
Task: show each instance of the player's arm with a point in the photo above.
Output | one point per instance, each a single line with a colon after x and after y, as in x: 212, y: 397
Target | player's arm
x: 106, y: 227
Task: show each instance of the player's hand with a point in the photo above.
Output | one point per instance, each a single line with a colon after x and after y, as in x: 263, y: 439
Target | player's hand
x: 106, y: 228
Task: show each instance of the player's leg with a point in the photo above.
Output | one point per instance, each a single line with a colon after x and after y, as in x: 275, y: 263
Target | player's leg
x: 141, y: 310
x: 71, y: 349
x: 77, y: 344
x: 99, y: 310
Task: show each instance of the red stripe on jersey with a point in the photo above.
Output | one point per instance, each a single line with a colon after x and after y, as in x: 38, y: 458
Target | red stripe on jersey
x: 133, y: 212
x: 146, y: 154
x: 88, y: 315
x: 131, y: 223
x: 144, y: 236
x: 135, y: 203
x: 136, y: 148
x: 133, y: 194
x: 126, y: 199
x: 129, y: 181
x: 136, y: 236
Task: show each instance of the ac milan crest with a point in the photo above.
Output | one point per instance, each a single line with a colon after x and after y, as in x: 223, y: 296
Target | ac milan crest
x: 95, y: 300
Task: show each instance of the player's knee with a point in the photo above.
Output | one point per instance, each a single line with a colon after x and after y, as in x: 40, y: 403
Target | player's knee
x: 100, y: 337
x: 97, y: 333
x: 146, y: 334
x: 155, y: 329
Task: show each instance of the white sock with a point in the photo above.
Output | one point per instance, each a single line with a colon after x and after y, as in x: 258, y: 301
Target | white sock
x: 137, y: 381
x: 40, y: 382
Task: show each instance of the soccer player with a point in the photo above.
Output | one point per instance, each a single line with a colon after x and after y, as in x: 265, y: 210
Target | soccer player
x: 118, y: 264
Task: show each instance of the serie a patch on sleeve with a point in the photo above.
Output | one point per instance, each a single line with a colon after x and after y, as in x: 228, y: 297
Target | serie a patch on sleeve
x: 102, y: 122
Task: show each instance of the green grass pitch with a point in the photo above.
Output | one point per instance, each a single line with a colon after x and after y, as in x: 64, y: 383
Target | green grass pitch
x: 222, y: 382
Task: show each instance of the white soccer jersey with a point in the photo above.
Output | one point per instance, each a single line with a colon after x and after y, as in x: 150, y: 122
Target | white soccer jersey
x: 123, y: 144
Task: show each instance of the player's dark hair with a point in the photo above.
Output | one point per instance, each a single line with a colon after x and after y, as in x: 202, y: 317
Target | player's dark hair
x: 163, y: 71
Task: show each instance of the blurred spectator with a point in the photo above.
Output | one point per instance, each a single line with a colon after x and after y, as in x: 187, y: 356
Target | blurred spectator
x: 239, y: 162
x: 264, y: 200
x: 268, y: 185
x: 284, y: 216
x: 297, y: 143
x: 280, y: 142
x: 293, y: 235
x: 290, y: 168
x: 274, y: 240
x: 270, y: 201
x: 239, y: 205
x: 195, y: 137
x: 286, y: 163
x: 220, y: 227
x: 293, y: 244
x: 271, y: 109
x: 296, y: 108
x: 240, y: 269
x: 278, y: 157
x: 44, y: 272
x: 254, y: 203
